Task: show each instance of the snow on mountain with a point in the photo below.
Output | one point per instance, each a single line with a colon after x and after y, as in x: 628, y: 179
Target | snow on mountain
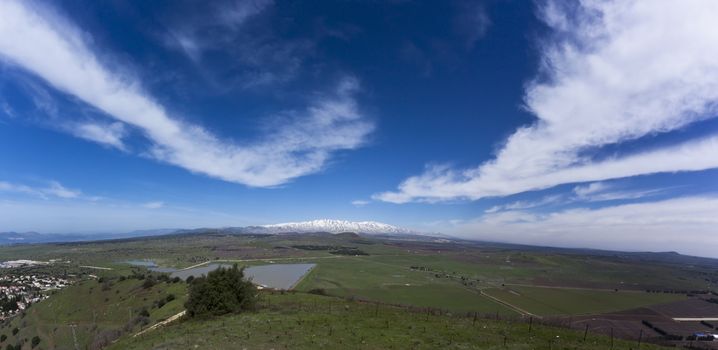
x: 336, y: 226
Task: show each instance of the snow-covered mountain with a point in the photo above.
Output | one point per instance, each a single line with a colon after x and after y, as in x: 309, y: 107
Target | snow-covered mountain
x: 336, y: 226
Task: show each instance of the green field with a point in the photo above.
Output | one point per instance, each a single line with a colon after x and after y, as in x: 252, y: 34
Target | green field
x: 391, y: 280
x: 567, y: 301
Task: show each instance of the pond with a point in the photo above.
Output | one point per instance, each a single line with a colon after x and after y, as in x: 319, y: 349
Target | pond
x: 150, y: 265
x: 277, y: 276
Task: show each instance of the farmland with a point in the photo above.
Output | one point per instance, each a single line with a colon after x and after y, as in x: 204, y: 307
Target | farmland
x: 545, y: 301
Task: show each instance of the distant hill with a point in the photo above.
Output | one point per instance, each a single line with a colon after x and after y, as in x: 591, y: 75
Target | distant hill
x: 36, y: 237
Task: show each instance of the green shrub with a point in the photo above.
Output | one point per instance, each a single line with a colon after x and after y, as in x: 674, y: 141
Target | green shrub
x: 223, y: 291
x: 149, y: 282
x: 35, y: 341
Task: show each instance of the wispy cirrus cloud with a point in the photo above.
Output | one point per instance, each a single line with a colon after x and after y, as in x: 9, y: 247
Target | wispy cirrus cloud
x: 43, y: 44
x: 214, y: 27
x: 153, y: 205
x: 110, y: 134
x: 601, y: 191
x: 52, y: 189
x: 592, y: 192
x: 675, y: 224
x: 360, y: 202
x: 613, y: 72
x: 521, y: 205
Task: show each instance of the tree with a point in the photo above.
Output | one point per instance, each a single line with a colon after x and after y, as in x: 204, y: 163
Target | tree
x: 223, y: 291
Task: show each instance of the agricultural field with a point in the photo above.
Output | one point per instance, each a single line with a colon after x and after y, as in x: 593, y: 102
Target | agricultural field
x: 543, y: 301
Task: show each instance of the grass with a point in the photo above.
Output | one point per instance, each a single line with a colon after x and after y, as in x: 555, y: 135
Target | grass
x: 304, y: 321
x: 564, y: 301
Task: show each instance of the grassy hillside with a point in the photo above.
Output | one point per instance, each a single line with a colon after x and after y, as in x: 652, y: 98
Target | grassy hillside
x: 95, y: 310
x: 305, y: 321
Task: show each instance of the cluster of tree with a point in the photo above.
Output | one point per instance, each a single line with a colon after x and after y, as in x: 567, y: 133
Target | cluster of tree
x: 34, y: 342
x: 8, y: 304
x: 319, y: 247
x: 421, y: 268
x: 661, y: 331
x: 159, y: 303
x: 348, y: 251
x: 222, y: 291
x: 677, y: 291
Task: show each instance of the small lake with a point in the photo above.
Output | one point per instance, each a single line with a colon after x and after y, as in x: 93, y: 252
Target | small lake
x: 277, y: 276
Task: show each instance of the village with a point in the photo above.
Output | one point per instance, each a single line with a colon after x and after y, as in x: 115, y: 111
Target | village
x: 18, y: 291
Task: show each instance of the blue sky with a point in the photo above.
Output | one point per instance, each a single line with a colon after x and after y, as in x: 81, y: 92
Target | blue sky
x: 578, y: 124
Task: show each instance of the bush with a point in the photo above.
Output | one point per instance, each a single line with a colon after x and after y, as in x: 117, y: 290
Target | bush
x: 14, y: 331
x: 170, y: 297
x: 223, y: 291
x: 149, y: 282
x: 105, y: 338
x: 3, y: 338
x: 35, y: 342
x: 318, y: 291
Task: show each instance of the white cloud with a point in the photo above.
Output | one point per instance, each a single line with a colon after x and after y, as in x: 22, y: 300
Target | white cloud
x: 614, y: 71
x: 359, y: 203
x: 106, y: 134
x: 56, y: 52
x: 600, y: 191
x: 684, y: 224
x: 54, y: 189
x: 58, y: 190
x: 154, y: 205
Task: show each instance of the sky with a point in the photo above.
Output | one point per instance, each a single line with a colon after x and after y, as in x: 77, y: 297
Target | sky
x: 549, y: 122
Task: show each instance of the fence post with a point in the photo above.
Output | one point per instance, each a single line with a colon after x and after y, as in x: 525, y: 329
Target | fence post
x: 585, y: 332
x: 531, y: 323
